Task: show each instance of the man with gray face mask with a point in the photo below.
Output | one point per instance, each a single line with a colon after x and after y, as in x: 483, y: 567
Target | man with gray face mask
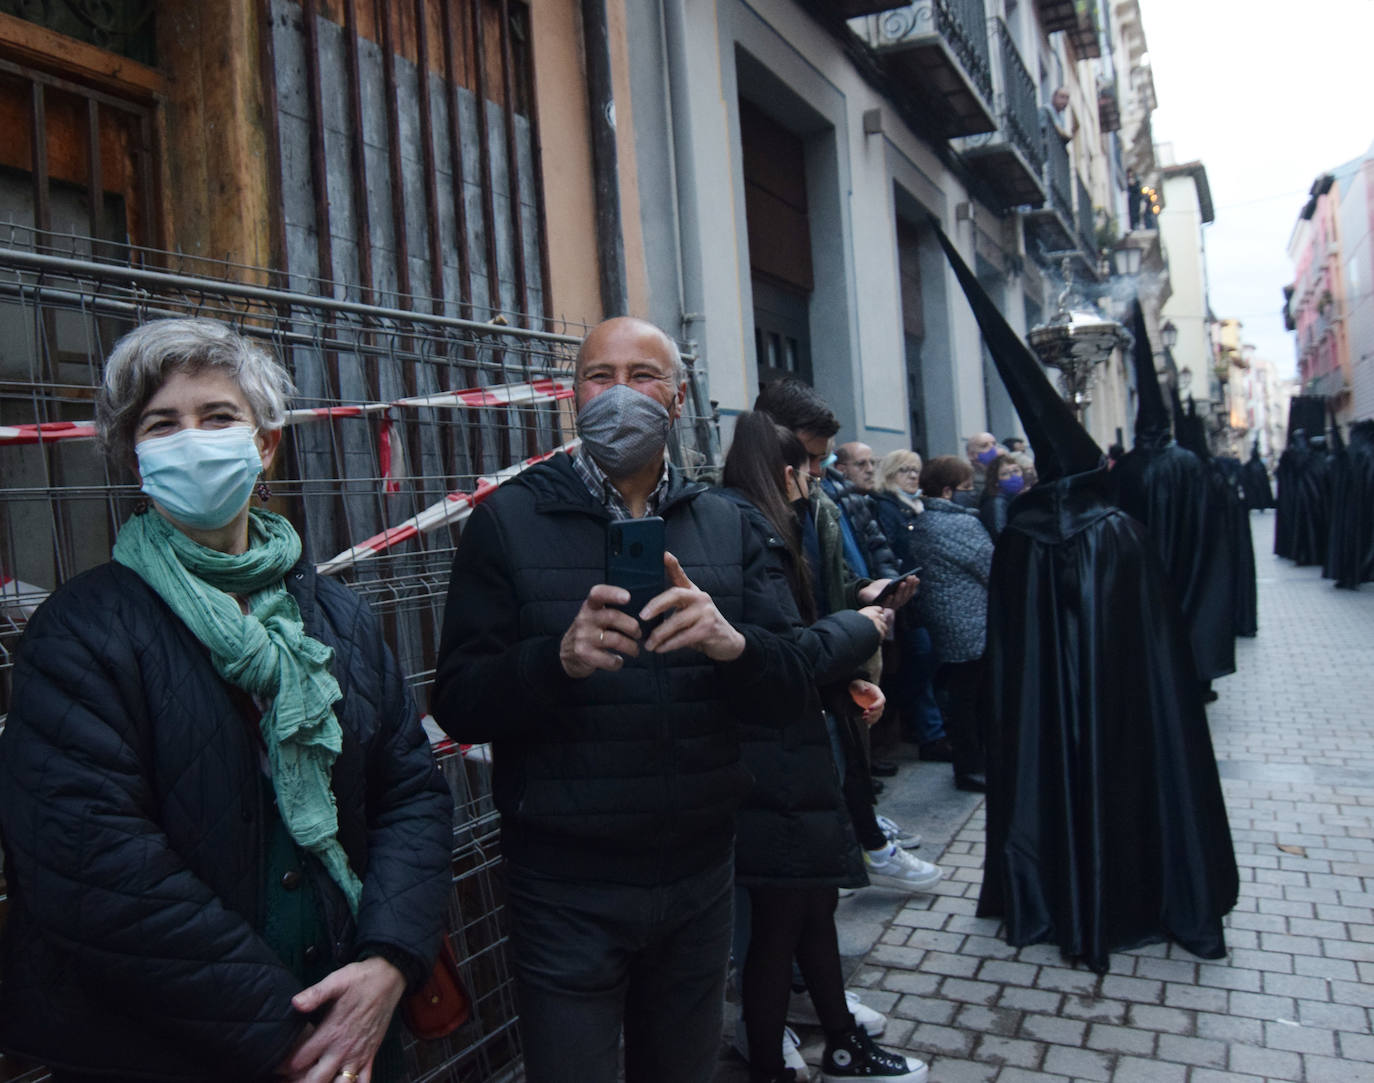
x: 616, y: 765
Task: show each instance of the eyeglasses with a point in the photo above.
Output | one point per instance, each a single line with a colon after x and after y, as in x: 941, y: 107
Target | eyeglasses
x: 909, y: 470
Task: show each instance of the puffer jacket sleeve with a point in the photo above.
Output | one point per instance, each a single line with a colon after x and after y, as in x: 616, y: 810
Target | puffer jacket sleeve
x: 770, y: 681
x: 410, y: 828
x: 98, y: 876
x: 839, y: 645
x: 491, y: 683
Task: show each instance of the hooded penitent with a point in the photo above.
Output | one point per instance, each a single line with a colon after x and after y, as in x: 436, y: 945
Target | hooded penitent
x: 1106, y: 827
x: 1235, y: 549
x: 1254, y: 479
x: 1301, y: 531
x: 1165, y: 487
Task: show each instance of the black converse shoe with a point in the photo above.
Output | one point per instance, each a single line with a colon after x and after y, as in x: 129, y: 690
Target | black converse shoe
x: 854, y: 1055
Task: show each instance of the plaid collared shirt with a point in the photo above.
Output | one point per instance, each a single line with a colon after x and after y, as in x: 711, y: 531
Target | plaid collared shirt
x: 606, y: 494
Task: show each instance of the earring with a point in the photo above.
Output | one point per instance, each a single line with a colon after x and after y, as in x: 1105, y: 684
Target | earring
x: 264, y: 492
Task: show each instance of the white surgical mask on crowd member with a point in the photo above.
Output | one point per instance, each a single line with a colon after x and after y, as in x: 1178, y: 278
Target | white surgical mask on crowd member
x: 201, y: 477
x: 623, y: 430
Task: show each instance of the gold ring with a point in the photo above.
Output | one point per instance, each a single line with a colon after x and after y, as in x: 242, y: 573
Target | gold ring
x: 347, y: 1074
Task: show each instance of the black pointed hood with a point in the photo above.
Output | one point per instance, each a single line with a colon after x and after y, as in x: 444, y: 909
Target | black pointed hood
x: 1190, y: 431
x: 1062, y: 446
x: 1151, y: 416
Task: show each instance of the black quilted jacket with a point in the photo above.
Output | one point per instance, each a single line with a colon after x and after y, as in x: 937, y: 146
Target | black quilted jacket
x: 131, y: 815
x: 630, y: 776
x: 794, y: 828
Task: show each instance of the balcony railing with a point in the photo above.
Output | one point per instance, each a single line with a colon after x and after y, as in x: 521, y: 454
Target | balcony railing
x: 1057, y: 174
x: 1087, y: 221
x: 1012, y: 158
x: 940, y: 47
x: 1019, y: 115
x: 1056, y: 14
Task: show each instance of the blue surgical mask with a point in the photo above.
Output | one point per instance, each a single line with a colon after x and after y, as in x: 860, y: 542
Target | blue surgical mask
x: 986, y: 457
x: 828, y: 462
x: 1012, y: 485
x: 201, y: 477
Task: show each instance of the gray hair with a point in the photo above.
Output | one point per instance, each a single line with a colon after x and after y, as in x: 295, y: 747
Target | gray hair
x: 891, y: 463
x: 143, y: 359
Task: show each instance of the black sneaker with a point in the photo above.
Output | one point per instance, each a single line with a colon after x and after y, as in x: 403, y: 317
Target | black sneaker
x: 854, y: 1055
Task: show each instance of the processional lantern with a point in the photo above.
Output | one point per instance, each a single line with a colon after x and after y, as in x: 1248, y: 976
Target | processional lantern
x: 1075, y: 341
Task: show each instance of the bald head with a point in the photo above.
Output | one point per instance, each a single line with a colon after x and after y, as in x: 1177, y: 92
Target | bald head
x: 633, y: 352
x: 856, y: 462
x: 621, y: 332
x: 980, y: 444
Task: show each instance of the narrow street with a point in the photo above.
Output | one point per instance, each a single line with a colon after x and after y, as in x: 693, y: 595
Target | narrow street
x: 1294, y: 737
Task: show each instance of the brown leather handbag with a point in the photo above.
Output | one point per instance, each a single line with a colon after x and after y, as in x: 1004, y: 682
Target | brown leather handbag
x: 441, y: 1005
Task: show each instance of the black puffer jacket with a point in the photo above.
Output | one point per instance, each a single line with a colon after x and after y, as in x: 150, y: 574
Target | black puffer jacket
x: 131, y: 807
x: 794, y: 828
x: 868, y: 533
x: 630, y: 776
x: 897, y: 519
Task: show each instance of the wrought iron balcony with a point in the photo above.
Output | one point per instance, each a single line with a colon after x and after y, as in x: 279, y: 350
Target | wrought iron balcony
x: 1083, y: 34
x: 1057, y: 14
x: 940, y: 49
x: 1011, y: 159
x: 852, y: 9
x: 1087, y: 225
x: 1051, y: 227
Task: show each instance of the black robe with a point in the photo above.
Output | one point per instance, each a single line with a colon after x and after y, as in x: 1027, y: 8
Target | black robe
x: 1169, y: 490
x: 1106, y: 824
x: 1254, y: 480
x: 1105, y: 821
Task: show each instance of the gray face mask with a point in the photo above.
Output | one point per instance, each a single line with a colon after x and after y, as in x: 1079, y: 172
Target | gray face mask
x: 623, y: 430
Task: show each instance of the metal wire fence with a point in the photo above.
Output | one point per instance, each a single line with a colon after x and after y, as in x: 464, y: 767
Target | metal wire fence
x: 403, y: 422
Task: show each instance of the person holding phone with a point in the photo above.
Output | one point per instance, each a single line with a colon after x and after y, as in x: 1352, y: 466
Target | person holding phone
x: 614, y: 729
x: 797, y: 844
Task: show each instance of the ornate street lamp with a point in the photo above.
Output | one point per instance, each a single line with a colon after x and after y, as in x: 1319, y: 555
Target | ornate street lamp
x: 1075, y: 341
x: 1168, y: 334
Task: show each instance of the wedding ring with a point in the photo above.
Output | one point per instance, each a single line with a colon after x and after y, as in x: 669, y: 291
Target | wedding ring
x: 346, y: 1074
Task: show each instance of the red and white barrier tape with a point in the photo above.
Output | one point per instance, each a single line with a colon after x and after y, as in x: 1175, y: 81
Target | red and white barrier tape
x: 454, y: 508
x: 543, y: 390
x: 46, y: 432
x: 19, y: 599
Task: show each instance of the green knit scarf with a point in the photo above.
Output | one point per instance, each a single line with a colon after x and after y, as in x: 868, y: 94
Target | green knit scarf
x: 266, y: 653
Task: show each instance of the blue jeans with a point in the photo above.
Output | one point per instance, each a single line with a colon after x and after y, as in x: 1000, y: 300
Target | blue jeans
x: 593, y: 957
x: 921, y: 717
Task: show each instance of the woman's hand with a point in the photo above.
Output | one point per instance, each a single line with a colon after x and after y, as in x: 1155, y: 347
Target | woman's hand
x: 879, y: 616
x: 870, y: 697
x: 362, y: 998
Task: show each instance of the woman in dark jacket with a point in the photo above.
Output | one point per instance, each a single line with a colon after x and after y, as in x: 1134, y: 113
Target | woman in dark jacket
x: 1005, y: 480
x: 226, y: 840
x: 795, y: 844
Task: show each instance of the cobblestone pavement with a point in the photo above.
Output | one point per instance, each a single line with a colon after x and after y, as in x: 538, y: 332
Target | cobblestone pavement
x: 1294, y: 736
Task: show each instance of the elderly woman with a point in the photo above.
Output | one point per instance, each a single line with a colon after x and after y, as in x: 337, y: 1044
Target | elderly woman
x: 908, y: 683
x: 226, y: 840
x: 953, y: 604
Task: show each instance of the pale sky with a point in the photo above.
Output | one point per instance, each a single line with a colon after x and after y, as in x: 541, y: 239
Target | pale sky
x: 1268, y: 96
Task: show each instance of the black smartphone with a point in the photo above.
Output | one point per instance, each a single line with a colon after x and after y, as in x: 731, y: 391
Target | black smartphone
x: 634, y: 559
x: 891, y: 588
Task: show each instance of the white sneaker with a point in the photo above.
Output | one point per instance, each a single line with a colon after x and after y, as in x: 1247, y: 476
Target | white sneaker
x: 791, y: 1048
x: 896, y: 868
x: 895, y: 832
x: 801, y: 1011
